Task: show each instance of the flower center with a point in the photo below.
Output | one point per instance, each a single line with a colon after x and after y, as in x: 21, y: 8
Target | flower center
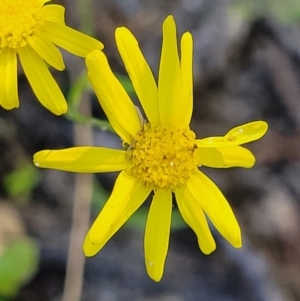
x: 163, y: 157
x: 18, y: 20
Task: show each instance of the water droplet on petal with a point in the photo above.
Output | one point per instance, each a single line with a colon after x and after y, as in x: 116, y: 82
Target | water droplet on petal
x: 151, y: 263
x: 37, y: 164
x: 241, y: 131
x: 231, y: 138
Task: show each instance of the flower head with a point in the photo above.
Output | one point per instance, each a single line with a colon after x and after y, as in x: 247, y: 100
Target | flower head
x: 32, y: 30
x: 161, y: 153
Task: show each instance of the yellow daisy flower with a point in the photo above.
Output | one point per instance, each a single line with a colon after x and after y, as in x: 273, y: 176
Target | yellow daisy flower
x: 31, y: 30
x: 161, y: 153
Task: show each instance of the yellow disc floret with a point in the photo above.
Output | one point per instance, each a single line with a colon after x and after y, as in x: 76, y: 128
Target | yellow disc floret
x: 163, y: 157
x: 18, y: 20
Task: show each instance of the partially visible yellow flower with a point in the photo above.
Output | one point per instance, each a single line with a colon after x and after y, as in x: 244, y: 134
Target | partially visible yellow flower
x: 31, y: 30
x: 161, y: 153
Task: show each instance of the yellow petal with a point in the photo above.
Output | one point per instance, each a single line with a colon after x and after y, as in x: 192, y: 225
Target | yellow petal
x: 82, y: 159
x: 90, y: 249
x: 193, y: 215
x: 70, y: 39
x: 113, y: 98
x: 8, y: 79
x: 42, y: 83
x: 239, y: 135
x: 127, y: 196
x: 157, y: 233
x: 169, y: 76
x: 54, y: 13
x: 216, y: 207
x: 46, y: 50
x: 186, y: 67
x: 139, y: 73
x: 226, y: 157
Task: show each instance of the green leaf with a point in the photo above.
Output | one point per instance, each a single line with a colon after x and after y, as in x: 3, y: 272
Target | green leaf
x: 21, y: 181
x: 18, y: 263
x: 287, y: 11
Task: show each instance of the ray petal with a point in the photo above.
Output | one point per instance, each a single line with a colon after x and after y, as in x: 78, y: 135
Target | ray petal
x: 139, y: 73
x: 157, y: 234
x: 42, y: 83
x: 216, y: 207
x: 169, y: 76
x: 226, y: 157
x: 70, y: 39
x: 47, y: 50
x: 239, y: 135
x: 84, y: 159
x: 112, y: 96
x: 194, y: 216
x: 186, y: 66
x: 9, y: 98
x: 53, y: 13
x: 127, y: 196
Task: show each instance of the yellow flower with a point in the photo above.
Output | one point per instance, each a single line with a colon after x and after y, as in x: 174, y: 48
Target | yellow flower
x: 30, y: 29
x: 162, y: 153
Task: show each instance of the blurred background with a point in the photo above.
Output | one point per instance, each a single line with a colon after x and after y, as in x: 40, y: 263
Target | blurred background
x: 246, y: 67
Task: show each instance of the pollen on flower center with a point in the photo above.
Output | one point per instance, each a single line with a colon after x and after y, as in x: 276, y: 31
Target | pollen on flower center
x: 163, y: 157
x: 18, y: 20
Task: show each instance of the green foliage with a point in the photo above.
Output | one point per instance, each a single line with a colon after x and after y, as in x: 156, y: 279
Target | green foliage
x: 287, y: 11
x: 21, y: 181
x: 18, y: 263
